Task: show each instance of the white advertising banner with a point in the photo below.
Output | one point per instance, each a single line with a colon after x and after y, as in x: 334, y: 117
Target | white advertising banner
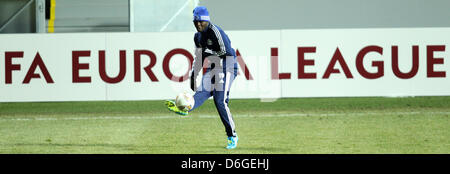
x: 366, y: 62
x: 272, y: 64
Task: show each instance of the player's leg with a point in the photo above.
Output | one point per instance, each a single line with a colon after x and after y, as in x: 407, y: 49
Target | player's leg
x: 221, y: 100
x: 204, y: 91
x: 200, y: 96
x: 225, y: 113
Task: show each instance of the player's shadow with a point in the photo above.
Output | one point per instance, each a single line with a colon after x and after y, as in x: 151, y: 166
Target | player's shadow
x: 246, y: 150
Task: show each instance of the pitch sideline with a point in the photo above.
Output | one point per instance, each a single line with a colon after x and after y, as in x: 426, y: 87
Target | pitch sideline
x: 10, y: 118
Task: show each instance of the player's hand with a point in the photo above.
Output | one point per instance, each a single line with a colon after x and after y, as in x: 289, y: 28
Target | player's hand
x: 193, y: 86
x: 206, y: 53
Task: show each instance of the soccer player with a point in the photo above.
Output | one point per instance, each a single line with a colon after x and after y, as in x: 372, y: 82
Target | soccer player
x: 211, y: 42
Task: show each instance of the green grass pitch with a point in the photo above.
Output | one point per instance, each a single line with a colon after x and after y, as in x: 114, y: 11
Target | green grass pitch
x: 367, y: 125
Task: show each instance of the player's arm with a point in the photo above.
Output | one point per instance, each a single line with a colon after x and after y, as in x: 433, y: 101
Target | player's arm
x: 217, y: 38
x: 197, y: 64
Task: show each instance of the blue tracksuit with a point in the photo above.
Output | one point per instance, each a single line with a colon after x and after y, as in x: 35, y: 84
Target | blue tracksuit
x: 221, y: 71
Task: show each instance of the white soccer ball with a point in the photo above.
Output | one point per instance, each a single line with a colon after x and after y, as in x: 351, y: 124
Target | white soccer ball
x: 185, y: 101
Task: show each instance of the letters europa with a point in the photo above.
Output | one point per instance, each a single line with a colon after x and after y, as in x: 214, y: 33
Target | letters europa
x: 302, y: 62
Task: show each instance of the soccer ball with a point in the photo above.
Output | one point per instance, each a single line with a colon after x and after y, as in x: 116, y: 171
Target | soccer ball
x: 185, y: 101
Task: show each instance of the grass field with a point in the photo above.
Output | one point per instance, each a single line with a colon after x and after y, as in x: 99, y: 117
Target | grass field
x: 412, y: 125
